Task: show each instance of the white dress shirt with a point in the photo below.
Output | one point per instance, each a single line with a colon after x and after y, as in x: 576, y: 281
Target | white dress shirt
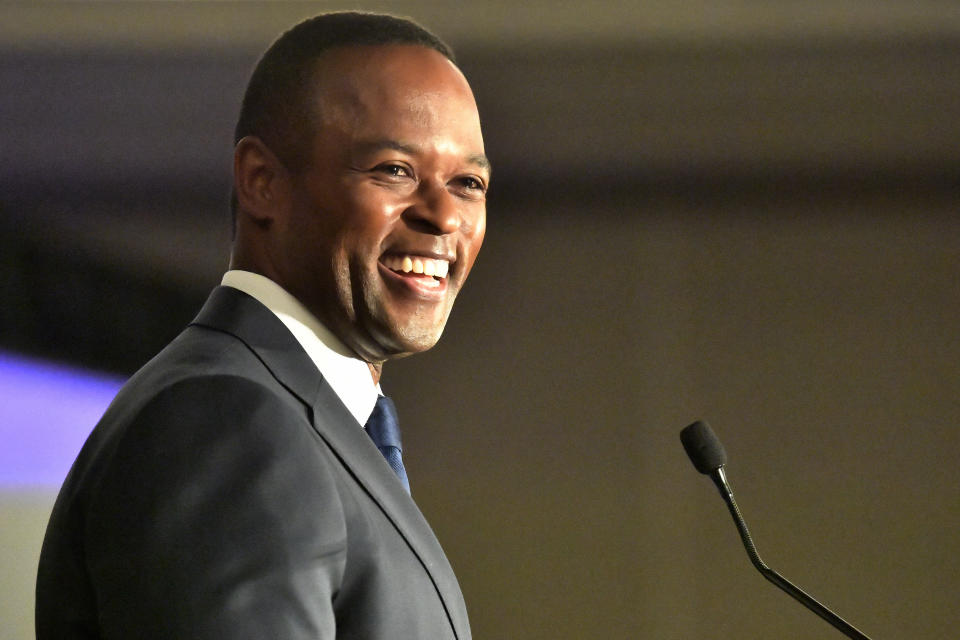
x: 348, y: 375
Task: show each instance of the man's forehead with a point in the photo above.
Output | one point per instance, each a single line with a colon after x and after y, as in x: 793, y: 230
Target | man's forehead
x: 382, y: 71
x: 414, y: 79
x: 345, y: 61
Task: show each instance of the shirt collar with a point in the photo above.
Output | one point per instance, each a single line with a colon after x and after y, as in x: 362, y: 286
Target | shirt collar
x: 348, y: 375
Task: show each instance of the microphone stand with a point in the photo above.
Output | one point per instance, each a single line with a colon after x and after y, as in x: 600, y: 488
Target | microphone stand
x: 720, y: 479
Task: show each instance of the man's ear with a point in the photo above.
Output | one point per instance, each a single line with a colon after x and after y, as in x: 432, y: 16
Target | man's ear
x: 259, y: 179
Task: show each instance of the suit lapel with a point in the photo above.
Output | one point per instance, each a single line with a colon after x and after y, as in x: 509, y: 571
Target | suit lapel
x: 237, y: 313
x: 370, y: 470
x: 234, y: 312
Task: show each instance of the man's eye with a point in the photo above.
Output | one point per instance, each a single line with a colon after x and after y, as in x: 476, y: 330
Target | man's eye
x: 394, y: 170
x: 473, y: 183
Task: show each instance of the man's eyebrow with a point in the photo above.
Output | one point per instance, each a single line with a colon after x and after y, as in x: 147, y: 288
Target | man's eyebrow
x: 480, y: 160
x: 373, y: 146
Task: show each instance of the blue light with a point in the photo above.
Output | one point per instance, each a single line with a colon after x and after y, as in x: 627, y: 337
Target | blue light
x: 46, y: 412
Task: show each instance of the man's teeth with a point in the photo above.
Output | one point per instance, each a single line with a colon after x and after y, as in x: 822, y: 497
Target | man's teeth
x: 418, y: 264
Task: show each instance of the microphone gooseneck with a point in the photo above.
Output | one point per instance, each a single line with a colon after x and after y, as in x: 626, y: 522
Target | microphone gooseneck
x: 708, y: 456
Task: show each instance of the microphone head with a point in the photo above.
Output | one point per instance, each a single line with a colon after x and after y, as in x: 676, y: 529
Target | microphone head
x: 704, y: 448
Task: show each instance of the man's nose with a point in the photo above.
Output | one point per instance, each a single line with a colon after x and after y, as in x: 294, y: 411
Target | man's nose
x: 435, y: 210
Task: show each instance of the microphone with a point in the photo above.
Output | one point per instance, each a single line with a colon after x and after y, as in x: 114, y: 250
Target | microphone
x: 708, y: 456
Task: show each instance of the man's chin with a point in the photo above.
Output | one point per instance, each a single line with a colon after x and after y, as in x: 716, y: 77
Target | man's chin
x: 399, y: 342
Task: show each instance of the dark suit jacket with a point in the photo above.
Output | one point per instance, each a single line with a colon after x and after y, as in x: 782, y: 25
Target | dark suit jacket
x: 228, y: 493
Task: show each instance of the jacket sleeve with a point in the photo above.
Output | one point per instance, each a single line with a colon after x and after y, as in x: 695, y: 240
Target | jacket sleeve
x: 217, y: 516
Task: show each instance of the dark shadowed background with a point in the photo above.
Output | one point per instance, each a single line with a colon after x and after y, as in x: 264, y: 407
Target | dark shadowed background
x: 745, y: 212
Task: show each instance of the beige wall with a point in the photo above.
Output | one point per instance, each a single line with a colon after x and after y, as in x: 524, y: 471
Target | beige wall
x: 23, y: 518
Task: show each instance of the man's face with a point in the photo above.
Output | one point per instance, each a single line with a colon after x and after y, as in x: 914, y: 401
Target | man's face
x: 386, y: 221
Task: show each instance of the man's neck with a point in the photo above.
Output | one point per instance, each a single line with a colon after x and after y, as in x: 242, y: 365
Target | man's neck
x: 375, y: 370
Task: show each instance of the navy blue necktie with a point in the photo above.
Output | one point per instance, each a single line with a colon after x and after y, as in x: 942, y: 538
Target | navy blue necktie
x: 384, y: 429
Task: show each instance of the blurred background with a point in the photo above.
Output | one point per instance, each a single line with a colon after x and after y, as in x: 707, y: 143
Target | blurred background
x: 745, y: 212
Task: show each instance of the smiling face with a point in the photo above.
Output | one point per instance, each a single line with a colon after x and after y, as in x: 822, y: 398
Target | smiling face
x: 384, y: 223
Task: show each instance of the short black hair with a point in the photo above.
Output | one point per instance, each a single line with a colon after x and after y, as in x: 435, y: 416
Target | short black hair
x: 277, y: 107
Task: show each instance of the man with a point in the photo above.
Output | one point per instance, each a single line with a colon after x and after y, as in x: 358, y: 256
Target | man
x: 230, y: 491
